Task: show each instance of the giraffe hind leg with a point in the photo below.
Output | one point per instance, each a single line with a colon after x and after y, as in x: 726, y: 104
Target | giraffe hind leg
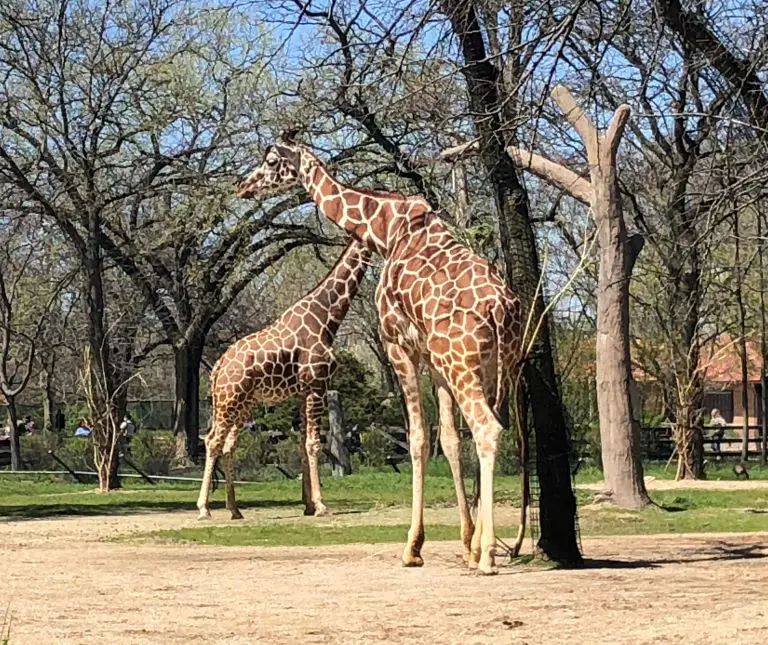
x: 485, y: 431
x: 449, y: 439
x: 227, y: 454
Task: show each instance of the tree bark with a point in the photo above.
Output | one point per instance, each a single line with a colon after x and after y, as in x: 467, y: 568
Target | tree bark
x: 46, y: 378
x: 739, y: 278
x: 100, y: 372
x: 557, y: 503
x: 188, y: 356
x: 763, y: 342
x: 336, y: 444
x: 13, y: 418
x: 619, y: 426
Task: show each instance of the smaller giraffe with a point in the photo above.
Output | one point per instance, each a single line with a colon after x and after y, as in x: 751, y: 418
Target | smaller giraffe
x: 293, y: 356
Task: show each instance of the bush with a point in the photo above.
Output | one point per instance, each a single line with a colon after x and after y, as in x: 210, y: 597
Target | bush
x: 288, y: 453
x: 77, y: 453
x: 35, y: 447
x: 375, y: 447
x: 252, y: 453
x: 154, y: 451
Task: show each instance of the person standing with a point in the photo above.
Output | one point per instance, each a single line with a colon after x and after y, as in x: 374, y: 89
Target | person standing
x: 719, y: 423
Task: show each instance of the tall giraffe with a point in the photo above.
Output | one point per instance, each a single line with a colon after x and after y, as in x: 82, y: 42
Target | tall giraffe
x: 292, y: 356
x: 437, y: 301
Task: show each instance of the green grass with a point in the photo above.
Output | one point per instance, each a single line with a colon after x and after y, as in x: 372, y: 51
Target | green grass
x: 352, y: 498
x: 716, y: 471
x: 36, y: 497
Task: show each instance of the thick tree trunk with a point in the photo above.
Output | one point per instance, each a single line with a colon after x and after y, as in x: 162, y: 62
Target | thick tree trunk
x: 619, y: 425
x: 13, y: 418
x: 557, y: 503
x: 188, y: 356
x: 619, y: 428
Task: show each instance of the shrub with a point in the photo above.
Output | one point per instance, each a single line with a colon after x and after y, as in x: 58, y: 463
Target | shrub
x: 77, y: 453
x: 375, y: 447
x: 154, y: 451
x: 288, y: 453
x: 35, y: 447
x: 252, y: 453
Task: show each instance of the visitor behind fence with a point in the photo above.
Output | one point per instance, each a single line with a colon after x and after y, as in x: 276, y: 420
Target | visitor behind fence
x: 59, y: 422
x: 719, y: 423
x: 127, y: 427
x: 82, y: 429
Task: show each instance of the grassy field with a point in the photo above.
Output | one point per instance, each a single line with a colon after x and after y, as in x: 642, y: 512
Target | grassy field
x: 359, y: 502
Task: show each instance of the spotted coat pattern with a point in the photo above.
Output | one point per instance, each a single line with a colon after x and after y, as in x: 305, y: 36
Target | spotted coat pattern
x: 440, y: 304
x: 291, y: 357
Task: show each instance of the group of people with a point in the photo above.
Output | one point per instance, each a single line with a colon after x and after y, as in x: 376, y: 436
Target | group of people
x: 82, y: 429
x: 127, y: 427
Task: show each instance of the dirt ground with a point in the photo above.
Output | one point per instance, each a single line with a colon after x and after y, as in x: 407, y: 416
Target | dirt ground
x: 66, y: 584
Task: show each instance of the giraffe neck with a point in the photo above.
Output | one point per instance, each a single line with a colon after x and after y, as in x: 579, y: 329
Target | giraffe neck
x: 374, y: 218
x: 330, y: 300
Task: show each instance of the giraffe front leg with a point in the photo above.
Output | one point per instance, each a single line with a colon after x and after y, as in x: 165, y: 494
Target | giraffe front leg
x: 406, y: 367
x: 212, y: 448
x: 314, y: 407
x: 449, y: 440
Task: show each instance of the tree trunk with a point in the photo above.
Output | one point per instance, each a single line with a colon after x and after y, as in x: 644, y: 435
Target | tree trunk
x: 689, y: 439
x: 99, y: 369
x: 336, y: 444
x: 46, y: 381
x: 619, y: 425
x: 619, y: 428
x: 13, y: 417
x: 763, y: 342
x: 739, y: 278
x: 557, y: 512
x: 188, y: 356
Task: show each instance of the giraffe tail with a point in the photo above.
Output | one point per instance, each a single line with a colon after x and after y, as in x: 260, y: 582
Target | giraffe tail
x: 502, y: 342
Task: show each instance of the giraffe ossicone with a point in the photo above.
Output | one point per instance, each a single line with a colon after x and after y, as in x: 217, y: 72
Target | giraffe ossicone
x: 291, y: 357
x: 438, y: 302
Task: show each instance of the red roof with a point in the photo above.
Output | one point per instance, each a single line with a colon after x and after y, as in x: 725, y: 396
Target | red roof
x: 721, y: 360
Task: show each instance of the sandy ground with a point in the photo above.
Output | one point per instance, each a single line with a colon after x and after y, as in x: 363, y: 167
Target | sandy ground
x: 652, y: 483
x: 67, y: 584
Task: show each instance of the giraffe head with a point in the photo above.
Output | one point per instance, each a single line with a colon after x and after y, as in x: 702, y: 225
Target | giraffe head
x: 277, y: 173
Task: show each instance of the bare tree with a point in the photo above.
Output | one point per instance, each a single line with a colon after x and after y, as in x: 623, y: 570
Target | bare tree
x: 619, y: 425
x: 26, y: 298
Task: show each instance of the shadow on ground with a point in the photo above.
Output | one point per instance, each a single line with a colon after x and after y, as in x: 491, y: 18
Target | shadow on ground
x: 718, y: 552
x: 121, y: 507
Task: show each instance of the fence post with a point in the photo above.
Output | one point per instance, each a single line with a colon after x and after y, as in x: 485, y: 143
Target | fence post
x: 336, y: 444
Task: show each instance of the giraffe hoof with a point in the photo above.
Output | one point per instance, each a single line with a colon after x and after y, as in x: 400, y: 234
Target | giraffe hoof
x: 237, y: 515
x: 204, y: 515
x: 321, y: 510
x: 309, y: 509
x: 490, y: 571
x: 413, y: 561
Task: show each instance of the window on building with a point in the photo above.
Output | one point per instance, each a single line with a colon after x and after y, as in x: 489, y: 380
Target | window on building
x: 722, y: 401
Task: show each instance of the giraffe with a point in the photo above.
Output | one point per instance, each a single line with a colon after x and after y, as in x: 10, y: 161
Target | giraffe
x: 440, y: 304
x: 292, y: 356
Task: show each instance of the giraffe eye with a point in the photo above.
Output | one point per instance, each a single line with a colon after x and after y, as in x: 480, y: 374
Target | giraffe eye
x: 271, y: 161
